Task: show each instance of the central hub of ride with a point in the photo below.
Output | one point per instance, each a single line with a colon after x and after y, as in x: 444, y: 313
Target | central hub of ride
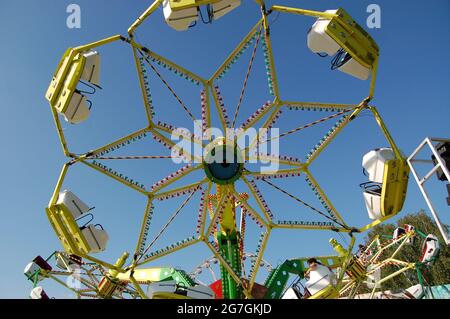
x: 222, y: 161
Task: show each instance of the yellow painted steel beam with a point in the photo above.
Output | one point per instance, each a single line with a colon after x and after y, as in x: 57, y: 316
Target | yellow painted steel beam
x: 115, y: 143
x: 355, y: 289
x: 404, y: 241
x: 401, y: 239
x: 205, y: 207
x: 208, y: 112
x: 99, y: 43
x: 143, y: 224
x: 311, y: 227
x: 67, y: 230
x: 159, y: 195
x: 239, y: 47
x: 154, y: 6
x: 390, y: 277
x: 103, y: 263
x: 346, y: 262
x: 142, y: 86
x: 138, y: 288
x: 273, y: 72
x: 268, y: 174
x: 254, y: 143
x: 61, y: 135
x: 59, y: 184
x: 169, y: 251
x: 223, y: 123
x: 260, y: 157
x: 310, y: 13
x: 195, y: 139
x: 318, y: 105
x: 373, y: 80
x: 325, y: 198
x: 170, y: 63
x: 63, y: 233
x: 256, y: 197
x: 374, y: 223
x: 258, y: 259
x: 253, y: 212
x: 385, y: 131
x: 115, y: 177
x: 346, y: 287
x: 252, y: 122
x: 217, y: 212
x: 174, y: 146
x: 338, y: 130
x: 400, y: 262
x: 178, y: 177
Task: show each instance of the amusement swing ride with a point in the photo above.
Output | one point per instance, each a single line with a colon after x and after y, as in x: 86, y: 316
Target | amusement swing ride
x: 224, y: 210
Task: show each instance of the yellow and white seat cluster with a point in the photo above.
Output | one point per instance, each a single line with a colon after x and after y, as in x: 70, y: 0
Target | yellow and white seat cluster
x: 341, y: 33
x: 385, y: 192
x: 76, y: 240
x: 63, y: 94
x: 180, y: 14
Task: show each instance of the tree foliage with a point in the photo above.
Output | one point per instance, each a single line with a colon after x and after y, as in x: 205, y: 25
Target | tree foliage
x: 436, y: 274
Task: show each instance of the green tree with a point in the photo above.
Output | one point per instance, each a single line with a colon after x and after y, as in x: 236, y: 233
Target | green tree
x: 437, y: 274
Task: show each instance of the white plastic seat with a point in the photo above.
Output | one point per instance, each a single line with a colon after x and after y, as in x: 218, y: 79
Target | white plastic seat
x: 77, y: 111
x: 415, y: 291
x: 75, y: 205
x: 373, y: 204
x: 223, y: 7
x: 399, y: 231
x: 354, y: 68
x: 430, y: 249
x: 319, y: 279
x: 179, y: 20
x: 96, y: 238
x: 374, y: 164
x: 30, y: 271
x: 291, y: 293
x: 161, y: 287
x: 91, y: 71
x: 409, y: 228
x: 373, y: 279
x: 319, y: 41
x: 38, y: 293
x: 200, y: 292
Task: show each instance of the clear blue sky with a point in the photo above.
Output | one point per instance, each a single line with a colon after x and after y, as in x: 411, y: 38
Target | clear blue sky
x: 411, y: 95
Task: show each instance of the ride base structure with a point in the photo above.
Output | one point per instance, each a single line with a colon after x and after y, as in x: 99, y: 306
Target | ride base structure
x: 223, y: 208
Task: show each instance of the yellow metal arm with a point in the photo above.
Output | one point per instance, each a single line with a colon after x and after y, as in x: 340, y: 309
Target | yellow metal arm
x: 311, y: 13
x: 144, y: 16
x: 96, y: 44
x: 385, y: 131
